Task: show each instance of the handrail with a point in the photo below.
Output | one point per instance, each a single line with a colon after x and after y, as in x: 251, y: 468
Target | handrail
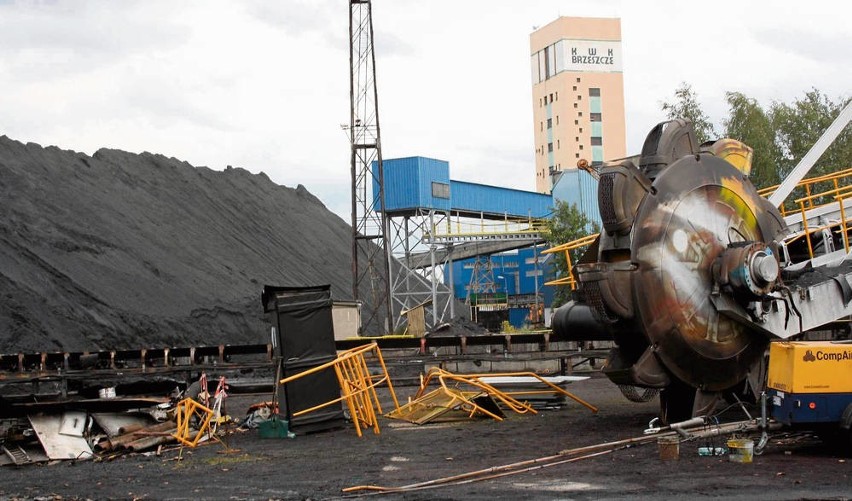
x: 567, y: 247
x: 808, y: 183
x: 481, y: 228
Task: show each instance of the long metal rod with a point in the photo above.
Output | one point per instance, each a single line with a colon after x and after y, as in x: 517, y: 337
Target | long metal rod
x: 561, y: 457
x: 807, y: 162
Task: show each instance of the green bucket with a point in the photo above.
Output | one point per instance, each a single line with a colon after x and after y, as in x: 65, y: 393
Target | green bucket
x: 275, y: 428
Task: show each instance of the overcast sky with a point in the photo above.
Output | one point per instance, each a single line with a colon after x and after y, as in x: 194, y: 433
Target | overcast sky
x: 264, y: 85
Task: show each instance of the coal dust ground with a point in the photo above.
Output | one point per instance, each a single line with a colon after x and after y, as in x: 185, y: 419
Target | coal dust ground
x: 318, y: 466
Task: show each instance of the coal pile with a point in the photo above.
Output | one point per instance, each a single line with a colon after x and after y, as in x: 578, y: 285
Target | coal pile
x: 118, y: 250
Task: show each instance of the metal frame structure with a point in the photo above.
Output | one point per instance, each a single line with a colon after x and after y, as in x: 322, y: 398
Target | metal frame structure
x: 369, y: 225
x: 425, y: 241
x: 416, y: 279
x: 187, y: 412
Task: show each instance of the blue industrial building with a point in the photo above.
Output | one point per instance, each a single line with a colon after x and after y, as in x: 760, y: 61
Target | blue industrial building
x: 578, y: 187
x: 414, y: 184
x: 516, y: 275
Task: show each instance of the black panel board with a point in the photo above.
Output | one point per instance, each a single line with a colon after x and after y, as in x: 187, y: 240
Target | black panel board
x: 304, y: 338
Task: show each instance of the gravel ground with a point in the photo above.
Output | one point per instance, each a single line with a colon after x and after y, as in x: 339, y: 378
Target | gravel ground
x: 319, y: 466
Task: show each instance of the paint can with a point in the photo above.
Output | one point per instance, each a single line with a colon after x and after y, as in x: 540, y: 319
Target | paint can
x: 669, y: 448
x: 107, y: 392
x: 740, y: 450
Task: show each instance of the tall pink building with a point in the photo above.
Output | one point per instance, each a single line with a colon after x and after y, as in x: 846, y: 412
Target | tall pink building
x: 578, y: 95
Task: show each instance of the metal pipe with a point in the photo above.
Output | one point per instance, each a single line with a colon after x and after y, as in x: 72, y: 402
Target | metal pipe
x: 561, y: 457
x: 579, y: 322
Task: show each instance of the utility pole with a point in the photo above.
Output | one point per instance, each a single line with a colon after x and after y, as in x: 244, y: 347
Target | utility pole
x: 371, y: 258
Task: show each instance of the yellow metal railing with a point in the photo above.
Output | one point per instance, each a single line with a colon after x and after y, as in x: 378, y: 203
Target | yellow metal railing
x: 810, y: 184
x: 569, y: 279
x: 838, y: 194
x: 357, y: 386
x: 467, y: 228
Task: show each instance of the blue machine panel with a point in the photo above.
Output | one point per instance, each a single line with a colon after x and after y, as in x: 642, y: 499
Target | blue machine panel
x: 579, y: 188
x: 495, y: 201
x: 414, y: 182
x: 793, y: 408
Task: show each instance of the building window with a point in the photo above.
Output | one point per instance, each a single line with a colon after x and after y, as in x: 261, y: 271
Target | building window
x: 542, y: 125
x: 578, y: 79
x: 579, y: 97
x: 581, y: 130
x: 577, y: 139
x: 557, y: 96
x: 595, y: 117
x: 539, y: 103
x: 575, y: 87
x: 549, y: 147
x: 557, y: 144
x: 549, y: 123
x: 557, y: 119
x: 597, y: 141
x: 576, y: 155
x: 594, y: 92
x: 579, y: 113
x: 576, y: 122
x: 440, y: 190
x: 551, y: 97
x: 581, y: 146
x: 575, y: 105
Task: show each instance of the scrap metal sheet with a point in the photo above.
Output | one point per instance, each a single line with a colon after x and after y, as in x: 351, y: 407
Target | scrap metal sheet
x: 55, y: 444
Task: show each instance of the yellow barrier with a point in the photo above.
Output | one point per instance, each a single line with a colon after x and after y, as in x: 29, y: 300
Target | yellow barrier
x: 357, y: 386
x: 187, y: 409
x: 503, y: 396
x: 434, y: 404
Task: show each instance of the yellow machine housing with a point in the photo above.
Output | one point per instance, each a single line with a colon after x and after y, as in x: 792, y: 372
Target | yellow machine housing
x: 810, y: 367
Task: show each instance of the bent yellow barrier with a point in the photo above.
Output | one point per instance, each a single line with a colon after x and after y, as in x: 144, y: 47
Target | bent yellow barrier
x: 186, y: 410
x: 357, y: 386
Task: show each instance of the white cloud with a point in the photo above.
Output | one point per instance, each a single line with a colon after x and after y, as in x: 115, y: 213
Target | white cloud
x: 264, y: 85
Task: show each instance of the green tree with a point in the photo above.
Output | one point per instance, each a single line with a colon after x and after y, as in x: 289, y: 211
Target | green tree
x: 568, y: 223
x: 686, y: 106
x: 800, y: 124
x: 749, y: 123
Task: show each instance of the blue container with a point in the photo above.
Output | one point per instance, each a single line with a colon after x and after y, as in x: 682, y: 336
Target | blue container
x: 495, y: 202
x: 412, y: 183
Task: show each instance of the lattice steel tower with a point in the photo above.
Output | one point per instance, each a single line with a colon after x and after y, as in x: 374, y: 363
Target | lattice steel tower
x: 371, y: 270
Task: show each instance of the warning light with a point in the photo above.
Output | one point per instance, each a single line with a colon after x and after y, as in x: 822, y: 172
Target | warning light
x: 812, y: 405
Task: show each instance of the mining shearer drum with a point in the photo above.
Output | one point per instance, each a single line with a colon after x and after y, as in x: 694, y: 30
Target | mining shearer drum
x: 701, y: 206
x: 680, y: 226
